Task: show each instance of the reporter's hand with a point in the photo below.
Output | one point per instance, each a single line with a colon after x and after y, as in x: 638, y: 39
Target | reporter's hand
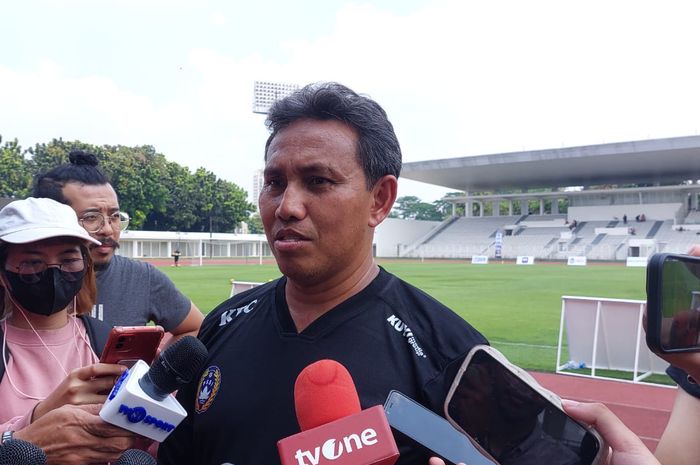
x: 76, y: 434
x: 688, y: 361
x: 86, y: 385
x: 627, y: 448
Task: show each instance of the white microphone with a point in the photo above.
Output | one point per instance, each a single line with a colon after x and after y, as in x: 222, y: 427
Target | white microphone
x: 140, y: 400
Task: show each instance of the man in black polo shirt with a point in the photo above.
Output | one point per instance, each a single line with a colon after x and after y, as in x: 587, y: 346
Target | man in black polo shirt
x: 332, y: 163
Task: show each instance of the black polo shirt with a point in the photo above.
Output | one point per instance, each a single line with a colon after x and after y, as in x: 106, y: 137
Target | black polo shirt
x: 391, y: 335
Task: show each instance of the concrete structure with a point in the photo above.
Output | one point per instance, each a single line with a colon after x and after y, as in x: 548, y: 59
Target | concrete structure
x: 654, y: 161
x: 530, y: 198
x: 650, y: 162
x: 258, y: 181
x: 393, y: 234
x: 161, y: 244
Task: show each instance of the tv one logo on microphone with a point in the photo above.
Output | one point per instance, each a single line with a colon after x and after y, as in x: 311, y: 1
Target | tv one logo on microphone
x: 333, y: 449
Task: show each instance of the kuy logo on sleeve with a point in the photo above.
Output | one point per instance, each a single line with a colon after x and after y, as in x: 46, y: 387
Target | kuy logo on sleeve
x: 406, y: 332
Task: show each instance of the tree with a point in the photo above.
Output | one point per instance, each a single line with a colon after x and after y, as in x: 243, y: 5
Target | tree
x: 47, y: 156
x: 137, y: 174
x: 445, y: 207
x: 179, y: 213
x: 15, y: 172
x: 255, y: 225
x: 411, y: 207
x: 157, y: 194
x: 219, y: 205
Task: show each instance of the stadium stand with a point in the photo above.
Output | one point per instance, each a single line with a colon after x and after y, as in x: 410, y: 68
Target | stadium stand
x: 634, y: 198
x: 692, y: 218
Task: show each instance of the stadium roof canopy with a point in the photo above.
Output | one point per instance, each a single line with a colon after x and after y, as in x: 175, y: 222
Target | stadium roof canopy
x: 656, y: 161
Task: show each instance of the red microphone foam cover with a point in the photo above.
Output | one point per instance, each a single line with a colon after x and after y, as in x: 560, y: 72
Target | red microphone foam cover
x: 323, y: 392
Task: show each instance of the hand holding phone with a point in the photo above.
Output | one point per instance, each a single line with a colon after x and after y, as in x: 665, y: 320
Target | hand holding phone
x: 622, y: 440
x: 673, y: 303
x: 513, y: 418
x: 127, y: 344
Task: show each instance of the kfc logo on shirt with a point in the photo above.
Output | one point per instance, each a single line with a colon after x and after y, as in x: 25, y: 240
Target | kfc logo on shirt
x: 229, y: 315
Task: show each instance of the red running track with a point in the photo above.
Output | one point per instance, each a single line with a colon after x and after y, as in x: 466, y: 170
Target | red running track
x: 644, y: 408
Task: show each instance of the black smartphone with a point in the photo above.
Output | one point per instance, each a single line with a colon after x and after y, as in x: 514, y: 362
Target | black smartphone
x: 432, y: 431
x: 513, y: 418
x: 673, y: 303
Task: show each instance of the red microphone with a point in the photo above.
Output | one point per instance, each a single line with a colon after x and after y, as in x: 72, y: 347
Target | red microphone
x: 335, y: 431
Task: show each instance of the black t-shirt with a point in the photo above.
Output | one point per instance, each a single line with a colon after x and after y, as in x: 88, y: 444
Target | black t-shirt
x: 389, y: 336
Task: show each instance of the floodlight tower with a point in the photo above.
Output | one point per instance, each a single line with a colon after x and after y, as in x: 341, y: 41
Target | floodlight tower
x: 265, y: 93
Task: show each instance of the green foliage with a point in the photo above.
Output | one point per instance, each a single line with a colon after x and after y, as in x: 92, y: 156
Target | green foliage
x: 255, y: 225
x: 158, y: 195
x: 445, y: 208
x: 411, y: 207
x: 16, y: 175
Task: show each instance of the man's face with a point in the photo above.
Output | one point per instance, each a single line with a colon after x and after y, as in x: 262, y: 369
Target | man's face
x: 96, y: 199
x: 315, y: 205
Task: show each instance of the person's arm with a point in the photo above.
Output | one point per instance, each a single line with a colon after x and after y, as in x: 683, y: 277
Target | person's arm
x: 76, y: 434
x: 189, y: 327
x: 679, y: 443
x: 170, y: 307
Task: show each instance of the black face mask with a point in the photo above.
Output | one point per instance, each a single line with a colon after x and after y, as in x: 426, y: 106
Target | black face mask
x: 51, y: 294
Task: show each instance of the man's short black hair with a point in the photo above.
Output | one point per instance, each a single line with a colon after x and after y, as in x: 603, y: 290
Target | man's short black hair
x: 379, y: 151
x: 82, y: 168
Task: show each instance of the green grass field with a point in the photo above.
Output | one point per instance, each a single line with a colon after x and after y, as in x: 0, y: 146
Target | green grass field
x: 516, y: 307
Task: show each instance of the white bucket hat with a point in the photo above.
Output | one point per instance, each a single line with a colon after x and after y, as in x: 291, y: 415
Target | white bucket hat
x: 32, y: 220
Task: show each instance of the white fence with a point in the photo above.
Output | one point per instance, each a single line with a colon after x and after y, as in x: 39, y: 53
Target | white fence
x: 606, y: 334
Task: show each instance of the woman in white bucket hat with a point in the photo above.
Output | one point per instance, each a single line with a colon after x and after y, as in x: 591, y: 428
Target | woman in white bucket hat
x: 49, y: 354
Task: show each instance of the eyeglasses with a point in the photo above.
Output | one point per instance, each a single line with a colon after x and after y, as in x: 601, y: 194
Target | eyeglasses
x: 93, y: 222
x: 31, y: 272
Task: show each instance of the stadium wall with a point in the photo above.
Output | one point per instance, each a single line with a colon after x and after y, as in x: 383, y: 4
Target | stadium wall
x: 656, y: 211
x: 394, y: 232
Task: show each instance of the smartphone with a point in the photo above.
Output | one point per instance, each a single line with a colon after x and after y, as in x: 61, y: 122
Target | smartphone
x: 432, y: 431
x: 513, y: 418
x: 127, y: 344
x: 673, y: 303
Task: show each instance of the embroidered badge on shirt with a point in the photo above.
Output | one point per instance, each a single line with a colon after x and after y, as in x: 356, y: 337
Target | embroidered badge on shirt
x: 208, y: 386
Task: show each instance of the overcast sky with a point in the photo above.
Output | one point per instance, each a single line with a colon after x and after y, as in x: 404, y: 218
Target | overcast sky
x: 457, y: 77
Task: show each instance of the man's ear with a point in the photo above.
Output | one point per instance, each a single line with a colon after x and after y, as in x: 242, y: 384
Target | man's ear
x: 383, y: 197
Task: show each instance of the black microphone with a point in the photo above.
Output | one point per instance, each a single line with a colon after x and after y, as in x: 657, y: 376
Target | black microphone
x: 176, y: 366
x: 135, y: 457
x: 140, y: 400
x: 19, y: 452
